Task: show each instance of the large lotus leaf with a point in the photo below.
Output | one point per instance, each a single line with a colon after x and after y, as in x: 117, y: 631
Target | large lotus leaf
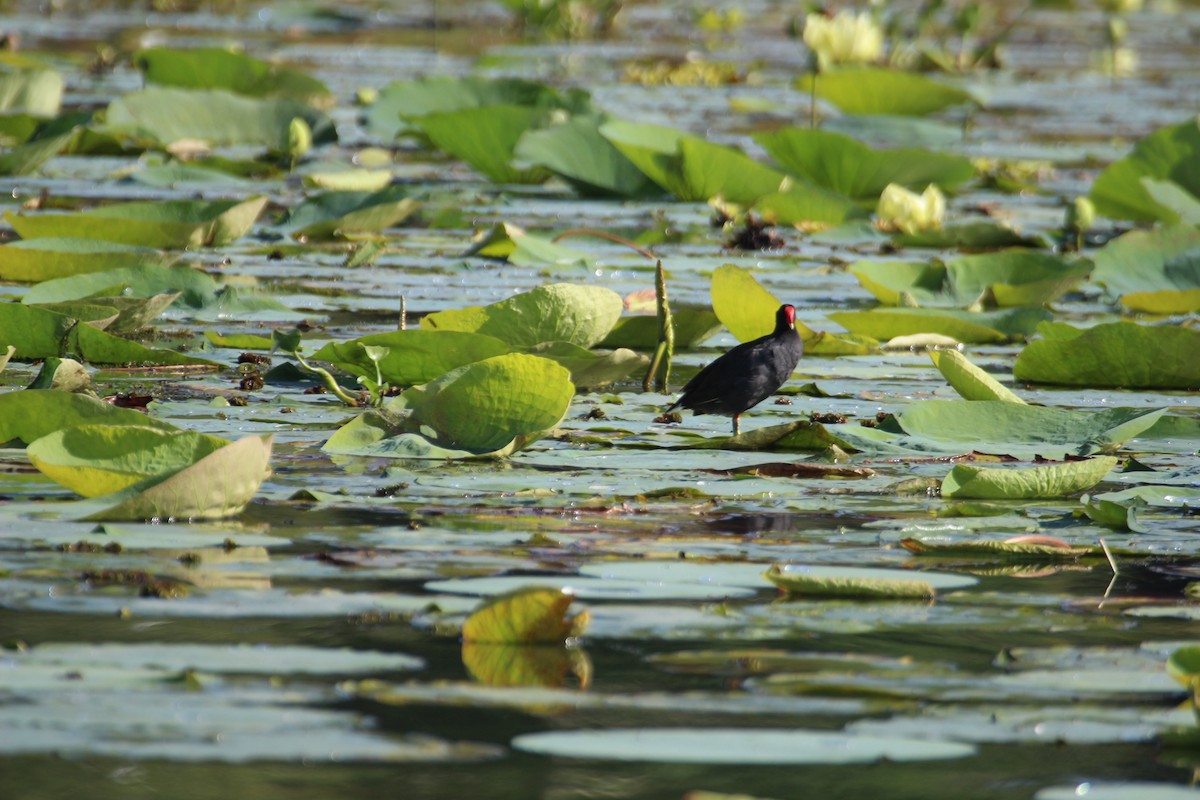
x: 1026, y: 483
x: 33, y: 413
x: 340, y: 214
x: 693, y: 324
x: 413, y: 356
x: 577, y: 152
x: 883, y: 91
x: 485, y: 138
x: 404, y: 100
x: 511, y: 243
x: 982, y: 234
x: 589, y: 369
x: 525, y: 616
x: 655, y: 150
x: 712, y: 170
x: 747, y: 309
x: 488, y: 404
x: 1116, y: 354
x: 897, y: 282
x: 1014, y: 277
x: 1170, y: 153
x: 851, y: 168
x: 971, y: 382
x: 100, y: 459
x: 801, y: 202
x: 994, y: 425
x: 219, y: 485
x: 27, y: 158
x: 214, y: 116
x: 971, y: 327
x: 1156, y: 271
x: 175, y: 174
x: 43, y: 259
x: 198, y: 289
x: 168, y: 224
x: 38, y: 333
x: 581, y: 315
x: 132, y: 313
x: 218, y: 68
x: 35, y: 92
x: 1183, y: 205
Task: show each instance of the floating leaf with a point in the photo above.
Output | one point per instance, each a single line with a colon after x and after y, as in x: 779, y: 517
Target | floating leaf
x: 197, y: 289
x: 895, y: 283
x: 581, y: 315
x: 1014, y: 277
x: 693, y: 325
x: 984, y: 234
x: 971, y: 382
x: 993, y: 549
x: 1184, y: 666
x: 100, y: 459
x: 1170, y: 153
x: 349, y: 180
x: 577, y: 152
x: 801, y: 203
x: 711, y: 746
x: 486, y: 405
x: 213, y: 116
x: 525, y: 616
x: 486, y: 137
x: 342, y: 214
x: 1155, y: 271
x: 589, y: 369
x: 27, y: 158
x: 1117, y: 354
x: 510, y: 242
x: 219, y: 485
x: 170, y: 224
x: 131, y: 313
x: 31, y: 414
x: 970, y: 327
x: 1023, y: 483
x: 218, y: 68
x: 413, y: 356
x: 711, y: 170
x: 883, y: 91
x: 514, y: 665
x: 37, y: 92
x: 46, y: 258
x: 655, y: 150
x: 837, y: 582
x: 849, y: 167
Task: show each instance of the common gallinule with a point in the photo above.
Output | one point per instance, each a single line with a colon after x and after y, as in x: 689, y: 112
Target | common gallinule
x: 747, y: 374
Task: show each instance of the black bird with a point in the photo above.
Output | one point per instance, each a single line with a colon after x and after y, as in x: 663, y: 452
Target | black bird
x: 747, y: 374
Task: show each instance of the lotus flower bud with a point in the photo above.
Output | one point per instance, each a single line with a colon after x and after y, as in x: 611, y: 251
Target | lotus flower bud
x: 906, y: 211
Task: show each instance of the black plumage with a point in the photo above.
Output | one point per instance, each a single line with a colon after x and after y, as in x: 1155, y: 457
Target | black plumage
x: 746, y: 375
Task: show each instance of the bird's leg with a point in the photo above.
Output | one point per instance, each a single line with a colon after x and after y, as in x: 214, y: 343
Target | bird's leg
x: 737, y: 424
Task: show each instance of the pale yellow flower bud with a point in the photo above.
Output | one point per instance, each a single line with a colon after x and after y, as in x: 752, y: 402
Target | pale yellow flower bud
x: 900, y: 209
x: 846, y: 38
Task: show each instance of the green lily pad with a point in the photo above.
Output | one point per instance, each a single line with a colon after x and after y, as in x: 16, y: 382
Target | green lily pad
x: 525, y: 616
x: 31, y: 414
x: 1118, y: 354
x: 175, y: 174
x: 37, y: 92
x: 196, y: 289
x: 341, y: 214
x: 883, y: 91
x: 984, y: 234
x: 865, y: 582
x: 214, y: 116
x: 1014, y: 277
x: 692, y: 324
x: 218, y: 68
x: 895, y: 283
x: 802, y: 202
x: 413, y: 356
x: 169, y: 224
x: 350, y: 179
x: 1057, y: 480
x: 581, y: 315
x: 1170, y: 153
x: 511, y: 243
x: 1155, y: 271
x: 851, y: 168
x: 970, y: 327
x: 486, y: 138
x: 27, y: 158
x: 732, y: 746
x: 590, y: 369
x: 38, y: 333
x: 98, y: 459
x: 971, y: 382
x: 219, y: 485
x: 577, y: 152
x: 42, y: 259
x: 236, y: 659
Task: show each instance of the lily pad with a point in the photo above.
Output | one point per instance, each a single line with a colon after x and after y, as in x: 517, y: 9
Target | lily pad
x: 883, y: 91
x: 1117, y: 354
x: 1170, y: 153
x: 486, y: 138
x: 413, y: 356
x: 693, y: 325
x: 576, y: 151
x: 27, y: 158
x: 218, y: 68
x: 42, y: 259
x: 100, y: 459
x: 970, y: 327
x: 1155, y: 271
x: 513, y: 244
x: 213, y: 116
x: 37, y: 92
x: 590, y: 369
x: 865, y: 582
x: 732, y: 746
x: 31, y: 414
x: 851, y: 168
x: 1057, y: 480
x: 971, y: 382
x: 1014, y: 277
x: 581, y: 315
x: 342, y: 214
x: 167, y: 224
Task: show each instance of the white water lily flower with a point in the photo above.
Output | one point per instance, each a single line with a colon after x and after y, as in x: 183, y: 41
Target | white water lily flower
x: 900, y: 209
x: 845, y: 38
